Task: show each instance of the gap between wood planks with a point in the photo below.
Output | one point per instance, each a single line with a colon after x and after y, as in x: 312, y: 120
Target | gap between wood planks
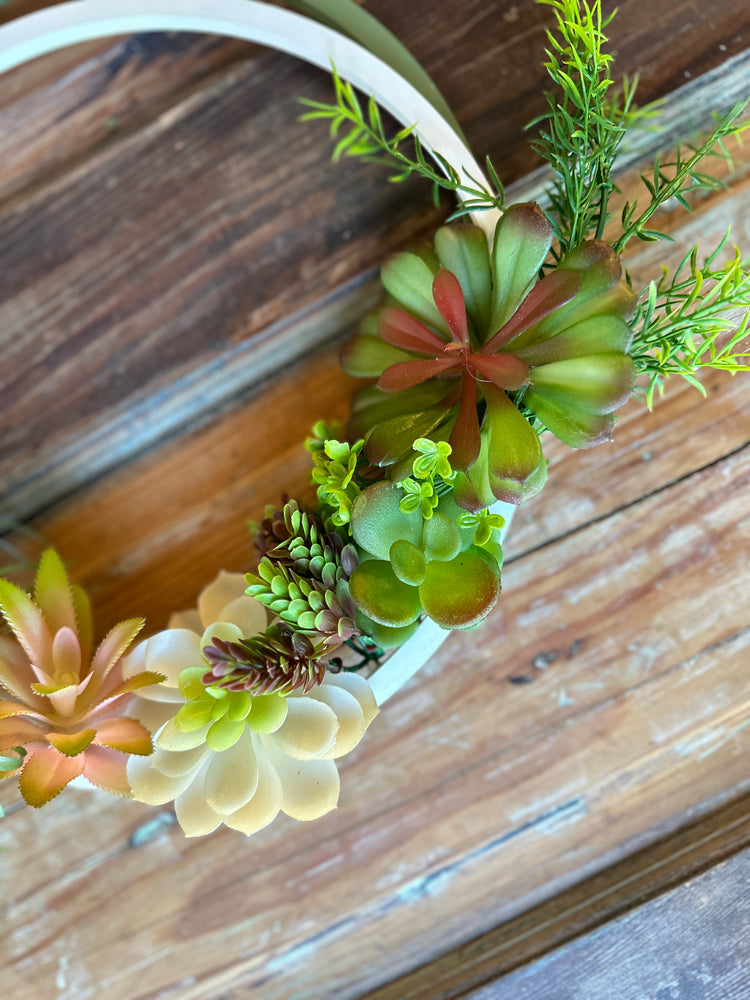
x: 219, y: 895
x: 580, y: 910
x: 634, y: 501
x: 110, y: 444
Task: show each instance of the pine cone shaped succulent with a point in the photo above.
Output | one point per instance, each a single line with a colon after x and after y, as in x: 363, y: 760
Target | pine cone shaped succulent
x: 272, y: 531
x: 306, y: 547
x: 276, y: 662
x: 309, y: 605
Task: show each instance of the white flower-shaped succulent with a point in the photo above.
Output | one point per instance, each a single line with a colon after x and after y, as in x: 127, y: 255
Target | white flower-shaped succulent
x: 260, y: 756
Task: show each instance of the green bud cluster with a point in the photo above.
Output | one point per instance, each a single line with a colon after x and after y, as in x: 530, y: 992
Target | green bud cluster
x: 431, y: 471
x: 335, y: 467
x: 321, y: 433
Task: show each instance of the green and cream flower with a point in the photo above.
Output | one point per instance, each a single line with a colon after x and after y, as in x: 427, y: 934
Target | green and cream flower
x: 233, y: 756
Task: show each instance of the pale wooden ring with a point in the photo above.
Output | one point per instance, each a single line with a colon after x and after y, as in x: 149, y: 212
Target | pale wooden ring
x: 82, y: 20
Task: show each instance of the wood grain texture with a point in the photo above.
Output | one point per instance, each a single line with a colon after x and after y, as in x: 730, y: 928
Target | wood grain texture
x: 172, y: 295
x: 114, y: 372
x: 472, y: 799
x: 691, y: 944
x: 582, y: 909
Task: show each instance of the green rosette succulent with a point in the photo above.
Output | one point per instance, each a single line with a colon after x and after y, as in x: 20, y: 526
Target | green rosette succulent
x: 410, y: 566
x: 469, y: 337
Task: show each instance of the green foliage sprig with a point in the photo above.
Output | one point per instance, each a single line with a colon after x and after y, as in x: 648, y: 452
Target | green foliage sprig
x: 362, y: 134
x: 583, y: 129
x: 684, y: 323
x: 689, y: 321
x: 584, y: 125
x: 681, y: 177
x: 334, y: 474
x: 338, y: 470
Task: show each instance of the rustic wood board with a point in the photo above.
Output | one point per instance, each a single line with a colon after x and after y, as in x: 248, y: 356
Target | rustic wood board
x: 582, y: 909
x: 694, y: 942
x: 603, y: 707
x: 220, y: 233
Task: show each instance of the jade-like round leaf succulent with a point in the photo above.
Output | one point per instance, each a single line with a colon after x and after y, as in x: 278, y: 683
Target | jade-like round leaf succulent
x: 382, y: 596
x: 409, y: 565
x: 461, y: 592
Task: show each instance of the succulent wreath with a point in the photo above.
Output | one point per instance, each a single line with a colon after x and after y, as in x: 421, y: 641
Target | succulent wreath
x: 517, y: 321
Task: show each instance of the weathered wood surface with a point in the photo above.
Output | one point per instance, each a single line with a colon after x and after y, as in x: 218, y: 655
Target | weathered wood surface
x: 580, y: 910
x: 692, y: 944
x: 150, y: 276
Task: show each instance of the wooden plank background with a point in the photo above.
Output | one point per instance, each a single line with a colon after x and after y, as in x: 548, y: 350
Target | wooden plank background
x: 647, y: 953
x: 578, y: 913
x: 178, y: 265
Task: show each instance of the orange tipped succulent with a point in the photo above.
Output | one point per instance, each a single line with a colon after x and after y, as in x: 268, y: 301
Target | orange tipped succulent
x: 64, y: 715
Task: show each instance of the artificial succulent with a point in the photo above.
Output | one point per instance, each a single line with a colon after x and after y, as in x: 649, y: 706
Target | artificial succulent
x: 410, y: 566
x: 473, y: 347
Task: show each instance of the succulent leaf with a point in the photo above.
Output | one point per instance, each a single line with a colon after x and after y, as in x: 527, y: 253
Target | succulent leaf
x: 573, y: 426
x: 522, y: 241
x: 463, y: 250
x: 53, y: 593
x: 378, y: 521
x: 461, y: 593
x: 442, y: 538
x: 379, y: 593
x: 408, y: 563
x: 595, y: 383
x: 408, y: 278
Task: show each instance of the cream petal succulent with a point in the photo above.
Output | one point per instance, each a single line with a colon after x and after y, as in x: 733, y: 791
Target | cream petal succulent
x: 233, y: 757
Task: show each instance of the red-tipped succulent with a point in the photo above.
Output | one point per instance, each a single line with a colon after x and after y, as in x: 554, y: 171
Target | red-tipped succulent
x: 469, y: 337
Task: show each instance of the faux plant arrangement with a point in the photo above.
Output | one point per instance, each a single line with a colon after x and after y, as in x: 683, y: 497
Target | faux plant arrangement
x: 238, y: 710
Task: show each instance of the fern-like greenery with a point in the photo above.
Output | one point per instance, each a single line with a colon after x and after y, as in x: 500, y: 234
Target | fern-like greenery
x: 681, y: 177
x: 689, y: 321
x: 584, y: 124
x: 696, y: 318
x: 360, y: 132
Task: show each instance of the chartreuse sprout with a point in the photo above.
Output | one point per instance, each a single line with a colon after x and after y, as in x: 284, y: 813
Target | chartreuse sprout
x: 334, y: 473
x: 485, y: 525
x: 431, y: 476
x: 432, y: 460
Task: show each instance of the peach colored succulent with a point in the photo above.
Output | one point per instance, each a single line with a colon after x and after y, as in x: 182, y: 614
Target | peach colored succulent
x: 65, y: 706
